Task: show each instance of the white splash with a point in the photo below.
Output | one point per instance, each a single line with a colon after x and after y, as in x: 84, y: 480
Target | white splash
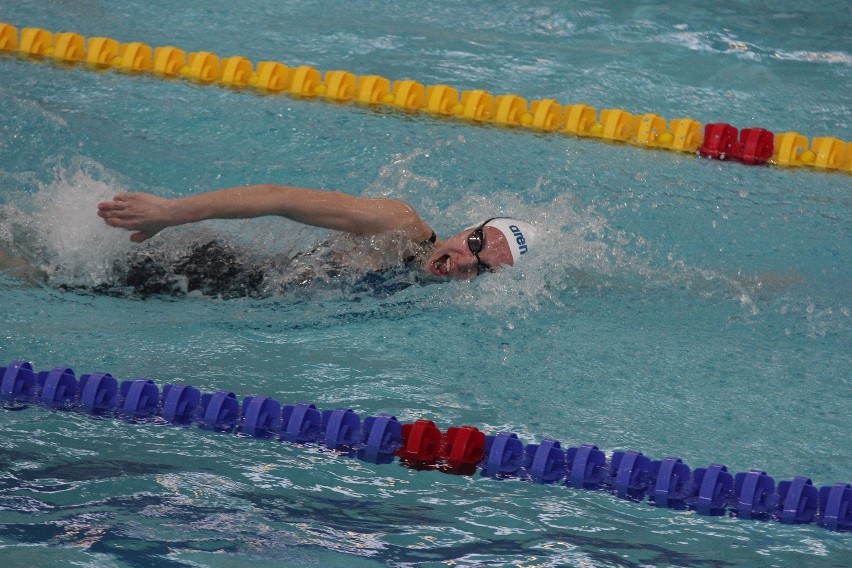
x: 59, y: 232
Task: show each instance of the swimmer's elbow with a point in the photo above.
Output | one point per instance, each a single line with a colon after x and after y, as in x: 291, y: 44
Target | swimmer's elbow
x: 343, y: 212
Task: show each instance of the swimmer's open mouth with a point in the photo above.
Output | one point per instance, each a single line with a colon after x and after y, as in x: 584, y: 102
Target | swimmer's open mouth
x: 441, y: 266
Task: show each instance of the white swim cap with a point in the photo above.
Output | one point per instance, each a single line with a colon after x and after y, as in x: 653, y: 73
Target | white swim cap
x: 519, y: 234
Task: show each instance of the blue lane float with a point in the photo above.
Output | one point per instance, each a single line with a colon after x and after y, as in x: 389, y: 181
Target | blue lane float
x: 665, y: 483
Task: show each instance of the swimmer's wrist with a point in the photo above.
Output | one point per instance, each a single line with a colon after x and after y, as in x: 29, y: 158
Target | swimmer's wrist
x: 179, y: 211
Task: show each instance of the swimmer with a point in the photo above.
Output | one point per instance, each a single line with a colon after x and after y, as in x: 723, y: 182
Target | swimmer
x: 485, y: 247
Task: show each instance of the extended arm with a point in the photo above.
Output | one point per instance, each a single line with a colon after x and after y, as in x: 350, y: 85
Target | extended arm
x: 147, y: 214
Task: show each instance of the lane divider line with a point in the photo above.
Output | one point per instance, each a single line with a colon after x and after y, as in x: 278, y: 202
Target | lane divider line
x: 720, y: 141
x: 421, y: 445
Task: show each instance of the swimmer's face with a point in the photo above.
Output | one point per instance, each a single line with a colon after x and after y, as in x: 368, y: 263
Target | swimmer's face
x: 455, y: 257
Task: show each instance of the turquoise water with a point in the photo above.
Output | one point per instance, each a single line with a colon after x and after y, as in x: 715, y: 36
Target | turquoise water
x: 682, y: 306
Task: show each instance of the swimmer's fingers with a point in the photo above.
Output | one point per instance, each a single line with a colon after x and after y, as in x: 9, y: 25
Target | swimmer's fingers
x: 120, y: 202
x: 120, y: 222
x: 119, y: 214
x: 117, y: 199
x: 114, y: 213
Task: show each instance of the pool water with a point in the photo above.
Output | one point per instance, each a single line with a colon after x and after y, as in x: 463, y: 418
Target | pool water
x: 678, y: 306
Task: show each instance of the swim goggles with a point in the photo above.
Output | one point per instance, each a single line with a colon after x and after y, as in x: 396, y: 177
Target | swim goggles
x: 476, y: 242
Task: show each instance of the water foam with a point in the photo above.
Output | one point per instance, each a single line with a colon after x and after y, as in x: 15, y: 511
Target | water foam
x: 57, y: 230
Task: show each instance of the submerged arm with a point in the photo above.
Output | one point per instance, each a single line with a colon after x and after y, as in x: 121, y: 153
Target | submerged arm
x: 147, y: 214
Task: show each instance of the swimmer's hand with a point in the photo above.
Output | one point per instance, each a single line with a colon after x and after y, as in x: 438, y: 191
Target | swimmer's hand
x: 143, y: 213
